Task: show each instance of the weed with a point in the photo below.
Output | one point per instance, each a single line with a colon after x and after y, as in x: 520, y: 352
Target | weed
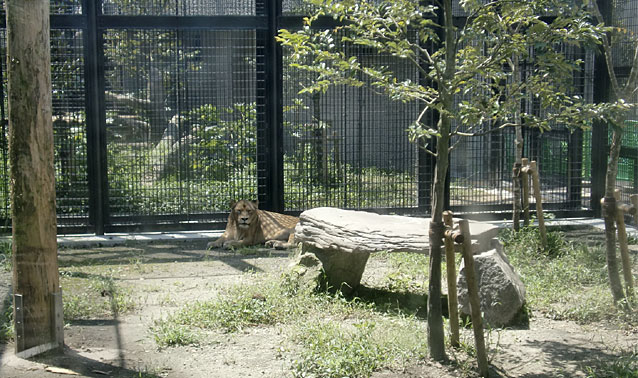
x: 6, y: 321
x: 410, y: 271
x: 168, y: 332
x: 625, y: 365
x: 6, y: 253
x: 332, y: 349
x: 567, y: 281
x: 94, y: 296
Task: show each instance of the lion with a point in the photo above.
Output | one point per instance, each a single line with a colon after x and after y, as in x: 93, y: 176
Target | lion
x: 247, y: 225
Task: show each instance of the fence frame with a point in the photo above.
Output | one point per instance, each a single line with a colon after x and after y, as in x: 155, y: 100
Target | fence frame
x: 266, y: 22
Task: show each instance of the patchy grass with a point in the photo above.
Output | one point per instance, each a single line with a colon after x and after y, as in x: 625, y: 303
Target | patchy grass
x: 625, y: 365
x: 94, y: 296
x: 334, y: 349
x: 410, y: 271
x: 336, y: 336
x: 567, y: 281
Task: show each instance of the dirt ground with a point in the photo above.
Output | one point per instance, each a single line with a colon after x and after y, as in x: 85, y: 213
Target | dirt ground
x: 182, y: 272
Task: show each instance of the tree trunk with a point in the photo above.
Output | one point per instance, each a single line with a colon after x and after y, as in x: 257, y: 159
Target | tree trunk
x: 609, y: 214
x: 35, y: 265
x: 518, y: 142
x: 436, y: 337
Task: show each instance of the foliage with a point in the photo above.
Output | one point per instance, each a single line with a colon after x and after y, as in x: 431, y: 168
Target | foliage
x: 483, y: 51
x: 224, y: 140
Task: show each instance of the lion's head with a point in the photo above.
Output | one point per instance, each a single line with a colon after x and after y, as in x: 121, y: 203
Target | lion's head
x: 244, y: 213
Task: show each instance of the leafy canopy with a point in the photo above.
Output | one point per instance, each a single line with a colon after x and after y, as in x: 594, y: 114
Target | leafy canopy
x: 505, y: 53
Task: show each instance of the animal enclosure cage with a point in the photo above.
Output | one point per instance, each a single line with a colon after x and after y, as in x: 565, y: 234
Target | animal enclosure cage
x: 166, y: 111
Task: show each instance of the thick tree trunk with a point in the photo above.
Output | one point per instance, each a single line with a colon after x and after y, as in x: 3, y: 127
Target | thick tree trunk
x: 35, y: 265
x: 609, y: 214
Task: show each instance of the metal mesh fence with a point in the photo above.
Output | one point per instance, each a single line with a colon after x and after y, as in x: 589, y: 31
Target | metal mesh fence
x: 625, y: 18
x: 69, y: 126
x: 348, y: 147
x: 181, y: 131
x: 187, y: 125
x: 178, y: 7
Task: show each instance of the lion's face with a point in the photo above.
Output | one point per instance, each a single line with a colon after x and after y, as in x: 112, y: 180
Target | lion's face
x: 245, y: 213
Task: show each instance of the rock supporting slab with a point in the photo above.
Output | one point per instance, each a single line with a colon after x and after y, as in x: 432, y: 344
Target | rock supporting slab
x: 343, y: 239
x: 501, y: 289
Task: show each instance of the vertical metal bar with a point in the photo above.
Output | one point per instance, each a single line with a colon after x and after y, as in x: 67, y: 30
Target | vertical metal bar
x: 18, y: 318
x: 270, y: 167
x: 57, y: 323
x: 575, y: 170
x: 95, y: 116
x: 600, y: 138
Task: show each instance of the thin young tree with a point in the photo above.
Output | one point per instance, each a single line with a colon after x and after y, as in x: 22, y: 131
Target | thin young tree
x: 620, y: 104
x: 465, y: 60
x: 35, y: 260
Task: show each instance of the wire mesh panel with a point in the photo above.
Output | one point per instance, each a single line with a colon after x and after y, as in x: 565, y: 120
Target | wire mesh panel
x: 625, y: 17
x: 66, y: 7
x: 178, y: 7
x: 69, y: 126
x: 481, y: 166
x: 348, y: 147
x: 180, y: 121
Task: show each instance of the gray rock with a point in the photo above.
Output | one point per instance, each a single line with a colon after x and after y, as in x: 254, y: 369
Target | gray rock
x: 307, y: 271
x: 501, y: 290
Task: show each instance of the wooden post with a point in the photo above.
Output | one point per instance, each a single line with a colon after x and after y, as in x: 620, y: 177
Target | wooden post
x: 35, y: 266
x: 634, y: 201
x: 525, y: 181
x: 475, y: 301
x: 536, y: 182
x: 624, y: 249
x: 452, y: 299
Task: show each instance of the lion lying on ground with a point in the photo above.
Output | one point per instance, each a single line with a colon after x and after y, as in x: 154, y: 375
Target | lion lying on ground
x: 247, y: 225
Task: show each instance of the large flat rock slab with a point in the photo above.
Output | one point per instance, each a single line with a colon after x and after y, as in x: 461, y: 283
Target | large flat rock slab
x: 350, y: 231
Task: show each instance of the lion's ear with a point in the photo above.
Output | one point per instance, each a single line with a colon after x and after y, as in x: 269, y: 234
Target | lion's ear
x: 256, y: 203
x: 232, y: 204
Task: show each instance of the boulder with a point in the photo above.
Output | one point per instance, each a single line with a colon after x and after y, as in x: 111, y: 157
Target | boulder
x: 501, y: 289
x: 307, y: 271
x: 343, y: 239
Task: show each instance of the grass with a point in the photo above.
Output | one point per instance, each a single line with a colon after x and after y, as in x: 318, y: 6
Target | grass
x: 6, y: 253
x: 625, y: 365
x: 336, y: 336
x: 94, y: 296
x: 568, y: 281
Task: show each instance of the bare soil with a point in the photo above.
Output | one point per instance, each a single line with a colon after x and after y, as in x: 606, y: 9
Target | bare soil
x: 176, y: 273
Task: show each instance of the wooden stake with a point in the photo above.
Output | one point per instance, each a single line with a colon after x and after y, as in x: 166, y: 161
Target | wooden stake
x: 525, y: 181
x: 634, y: 201
x: 452, y: 300
x: 475, y: 301
x: 624, y: 249
x: 536, y: 182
